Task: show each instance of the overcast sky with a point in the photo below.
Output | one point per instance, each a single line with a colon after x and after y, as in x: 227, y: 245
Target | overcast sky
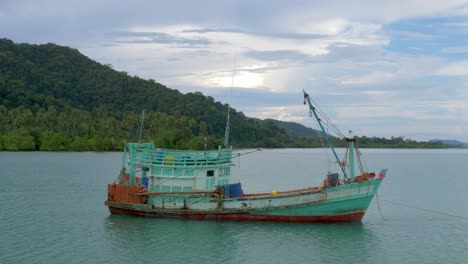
x: 379, y: 68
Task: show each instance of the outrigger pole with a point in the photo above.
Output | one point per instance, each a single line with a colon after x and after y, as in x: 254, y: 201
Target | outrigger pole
x: 319, y: 121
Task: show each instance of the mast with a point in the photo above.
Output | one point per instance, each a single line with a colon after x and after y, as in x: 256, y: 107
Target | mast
x: 228, y: 121
x: 141, y: 125
x: 319, y: 121
x: 226, y: 131
x: 351, y: 141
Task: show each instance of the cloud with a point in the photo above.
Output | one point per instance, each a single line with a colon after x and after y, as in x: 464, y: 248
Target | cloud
x: 414, y: 35
x: 161, y: 38
x: 459, y: 68
x: 280, y: 52
x: 366, y: 52
x: 290, y: 113
x: 459, y: 49
x: 373, y: 77
x: 277, y: 55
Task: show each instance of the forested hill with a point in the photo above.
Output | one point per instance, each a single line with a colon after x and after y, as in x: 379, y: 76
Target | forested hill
x: 296, y: 129
x: 55, y: 98
x: 56, y: 83
x: 40, y: 76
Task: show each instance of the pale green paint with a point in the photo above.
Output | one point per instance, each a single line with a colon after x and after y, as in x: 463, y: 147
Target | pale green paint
x: 223, y: 181
x: 352, y: 203
x: 156, y: 171
x: 209, y: 183
x: 179, y: 172
x: 358, y: 202
x: 146, y: 153
x: 167, y: 172
x: 366, y: 184
x: 164, y: 161
x: 326, y: 207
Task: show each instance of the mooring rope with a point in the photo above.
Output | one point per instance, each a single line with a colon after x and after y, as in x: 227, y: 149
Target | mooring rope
x: 427, y: 210
x: 249, y: 152
x: 378, y: 205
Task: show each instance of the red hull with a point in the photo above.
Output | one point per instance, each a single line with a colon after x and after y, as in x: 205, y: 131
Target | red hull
x: 349, y: 217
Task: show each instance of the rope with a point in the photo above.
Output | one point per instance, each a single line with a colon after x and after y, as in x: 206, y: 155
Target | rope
x: 362, y: 160
x: 378, y: 205
x: 359, y: 158
x: 247, y: 153
x: 428, y: 210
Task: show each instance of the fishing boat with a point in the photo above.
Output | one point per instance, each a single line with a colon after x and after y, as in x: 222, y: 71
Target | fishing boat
x: 155, y: 182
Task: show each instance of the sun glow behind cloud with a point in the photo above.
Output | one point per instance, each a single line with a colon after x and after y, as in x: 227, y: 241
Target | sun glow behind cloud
x: 285, y: 61
x: 307, y: 44
x: 241, y: 79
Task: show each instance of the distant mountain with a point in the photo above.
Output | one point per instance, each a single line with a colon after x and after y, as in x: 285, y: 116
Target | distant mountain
x: 451, y: 142
x: 296, y: 129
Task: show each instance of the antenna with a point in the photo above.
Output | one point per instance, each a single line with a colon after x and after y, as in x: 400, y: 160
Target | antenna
x: 141, y: 126
x: 228, y: 121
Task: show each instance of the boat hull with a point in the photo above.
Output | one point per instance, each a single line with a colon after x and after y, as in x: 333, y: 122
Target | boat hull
x: 346, y: 217
x: 340, y: 204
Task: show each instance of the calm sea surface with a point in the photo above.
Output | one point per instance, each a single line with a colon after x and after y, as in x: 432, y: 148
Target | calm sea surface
x: 52, y: 211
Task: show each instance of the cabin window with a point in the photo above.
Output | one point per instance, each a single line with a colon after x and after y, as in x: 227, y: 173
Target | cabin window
x: 210, y: 173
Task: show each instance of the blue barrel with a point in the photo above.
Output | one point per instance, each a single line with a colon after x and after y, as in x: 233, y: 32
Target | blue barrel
x: 144, y: 182
x: 235, y: 190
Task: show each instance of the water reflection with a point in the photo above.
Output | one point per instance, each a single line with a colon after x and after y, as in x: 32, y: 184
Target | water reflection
x: 174, y: 240
x: 170, y: 240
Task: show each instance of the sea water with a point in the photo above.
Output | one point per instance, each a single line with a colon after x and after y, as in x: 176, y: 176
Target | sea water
x: 52, y: 211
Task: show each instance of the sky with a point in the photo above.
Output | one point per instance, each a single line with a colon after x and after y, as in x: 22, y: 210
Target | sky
x: 378, y: 68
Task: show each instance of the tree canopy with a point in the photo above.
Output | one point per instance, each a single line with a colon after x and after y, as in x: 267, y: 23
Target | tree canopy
x: 54, y: 98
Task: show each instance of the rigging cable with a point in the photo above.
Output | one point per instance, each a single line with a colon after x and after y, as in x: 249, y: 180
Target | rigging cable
x: 321, y: 137
x: 427, y: 210
x: 334, y: 127
x: 330, y: 126
x: 359, y: 158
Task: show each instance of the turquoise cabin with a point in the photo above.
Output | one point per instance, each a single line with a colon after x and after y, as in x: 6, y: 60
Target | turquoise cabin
x: 164, y: 170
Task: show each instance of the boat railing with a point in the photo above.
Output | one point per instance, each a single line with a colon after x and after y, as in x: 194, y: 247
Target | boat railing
x: 146, y: 157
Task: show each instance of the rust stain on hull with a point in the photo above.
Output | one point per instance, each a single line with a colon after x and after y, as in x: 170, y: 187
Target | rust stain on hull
x: 244, y: 216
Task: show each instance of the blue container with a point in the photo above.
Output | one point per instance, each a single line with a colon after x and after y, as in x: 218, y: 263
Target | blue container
x: 144, y: 182
x: 235, y: 190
